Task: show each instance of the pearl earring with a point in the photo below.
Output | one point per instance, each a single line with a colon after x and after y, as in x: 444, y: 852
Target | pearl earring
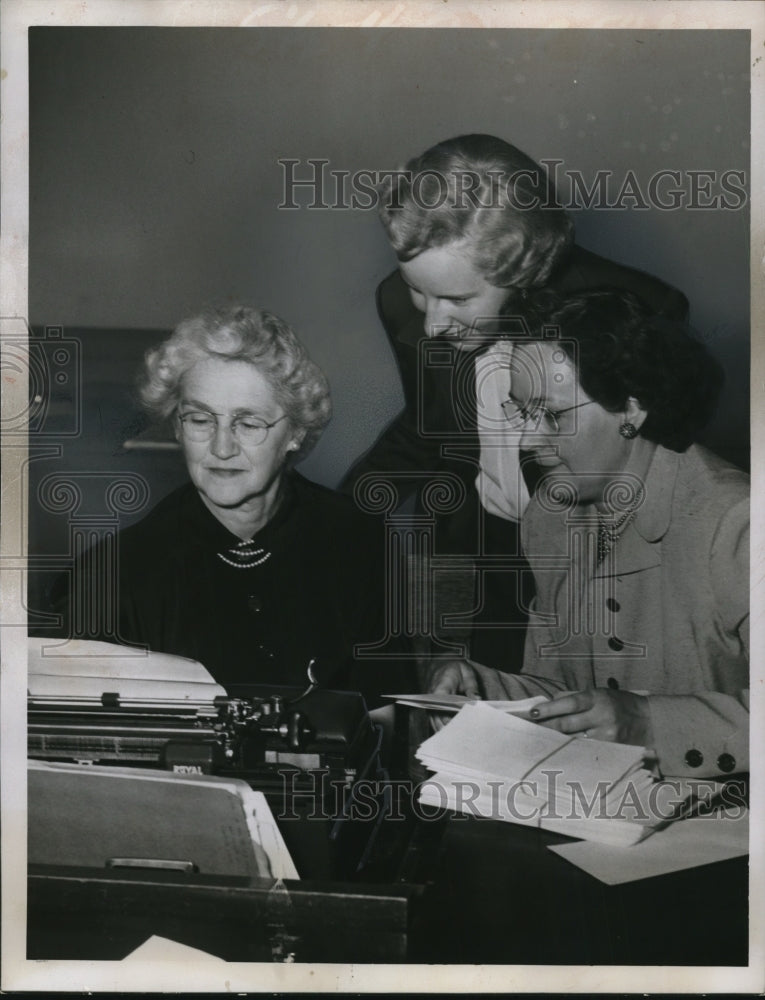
x: 628, y: 430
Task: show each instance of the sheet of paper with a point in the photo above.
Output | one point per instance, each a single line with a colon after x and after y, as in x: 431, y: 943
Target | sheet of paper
x: 160, y: 949
x: 454, y: 702
x: 268, y: 835
x: 91, y: 658
x: 87, y: 669
x: 511, y: 804
x: 482, y: 741
x: 686, y: 844
x: 62, y: 686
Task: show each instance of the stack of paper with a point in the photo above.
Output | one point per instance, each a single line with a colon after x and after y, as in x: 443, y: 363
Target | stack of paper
x: 490, y: 763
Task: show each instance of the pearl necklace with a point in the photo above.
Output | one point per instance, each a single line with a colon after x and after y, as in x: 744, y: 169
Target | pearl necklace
x: 609, y: 534
x: 245, y: 556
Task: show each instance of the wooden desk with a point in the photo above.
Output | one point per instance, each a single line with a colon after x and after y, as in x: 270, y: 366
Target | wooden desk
x: 498, y: 896
x: 456, y: 890
x: 463, y: 890
x: 333, y: 914
x: 82, y: 914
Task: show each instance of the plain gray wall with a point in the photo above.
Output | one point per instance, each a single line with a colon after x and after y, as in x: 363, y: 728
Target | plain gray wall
x: 154, y: 182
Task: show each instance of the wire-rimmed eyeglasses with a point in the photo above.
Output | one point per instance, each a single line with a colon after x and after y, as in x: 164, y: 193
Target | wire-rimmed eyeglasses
x: 519, y: 417
x: 199, y: 425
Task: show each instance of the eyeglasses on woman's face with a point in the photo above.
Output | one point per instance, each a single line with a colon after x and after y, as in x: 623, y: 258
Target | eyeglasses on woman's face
x: 537, y: 416
x: 247, y: 430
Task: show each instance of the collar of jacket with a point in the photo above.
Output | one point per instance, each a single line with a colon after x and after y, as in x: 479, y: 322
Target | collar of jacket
x: 636, y: 549
x: 653, y: 517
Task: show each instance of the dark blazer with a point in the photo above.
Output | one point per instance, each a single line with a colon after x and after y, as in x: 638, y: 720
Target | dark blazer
x: 436, y: 434
x: 414, y: 441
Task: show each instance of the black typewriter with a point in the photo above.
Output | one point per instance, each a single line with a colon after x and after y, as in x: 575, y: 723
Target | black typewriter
x: 315, y: 753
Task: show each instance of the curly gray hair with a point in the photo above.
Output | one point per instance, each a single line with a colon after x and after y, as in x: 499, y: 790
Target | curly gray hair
x: 240, y: 333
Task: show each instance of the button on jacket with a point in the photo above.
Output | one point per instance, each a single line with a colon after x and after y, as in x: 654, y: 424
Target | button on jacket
x: 439, y: 433
x: 666, y: 614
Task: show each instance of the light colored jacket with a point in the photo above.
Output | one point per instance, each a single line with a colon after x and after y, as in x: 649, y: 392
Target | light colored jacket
x: 666, y: 613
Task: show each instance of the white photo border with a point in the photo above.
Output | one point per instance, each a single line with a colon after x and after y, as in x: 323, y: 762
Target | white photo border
x: 22, y: 975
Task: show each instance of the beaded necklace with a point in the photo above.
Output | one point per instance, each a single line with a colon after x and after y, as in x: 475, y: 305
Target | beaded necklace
x: 244, y: 555
x: 609, y: 534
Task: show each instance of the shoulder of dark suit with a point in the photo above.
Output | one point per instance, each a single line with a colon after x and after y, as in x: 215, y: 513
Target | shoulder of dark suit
x: 583, y: 270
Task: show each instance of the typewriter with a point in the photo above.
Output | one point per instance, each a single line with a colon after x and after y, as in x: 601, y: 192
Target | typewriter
x: 311, y: 751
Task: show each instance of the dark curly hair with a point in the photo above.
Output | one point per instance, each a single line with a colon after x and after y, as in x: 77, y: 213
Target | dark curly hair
x: 620, y: 349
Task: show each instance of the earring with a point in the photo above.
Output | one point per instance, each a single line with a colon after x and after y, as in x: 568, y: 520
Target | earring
x: 628, y: 430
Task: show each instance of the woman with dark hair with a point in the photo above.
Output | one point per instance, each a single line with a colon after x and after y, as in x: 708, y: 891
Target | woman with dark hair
x: 638, y: 540
x: 476, y: 228
x: 249, y: 568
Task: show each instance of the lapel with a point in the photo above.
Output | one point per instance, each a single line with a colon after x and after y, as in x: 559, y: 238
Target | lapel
x: 636, y: 549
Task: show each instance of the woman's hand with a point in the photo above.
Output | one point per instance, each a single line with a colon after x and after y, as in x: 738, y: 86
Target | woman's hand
x: 617, y: 716
x: 451, y: 677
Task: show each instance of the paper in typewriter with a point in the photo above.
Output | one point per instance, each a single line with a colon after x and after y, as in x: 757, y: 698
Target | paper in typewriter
x: 88, y: 669
x: 496, y: 765
x: 90, y: 816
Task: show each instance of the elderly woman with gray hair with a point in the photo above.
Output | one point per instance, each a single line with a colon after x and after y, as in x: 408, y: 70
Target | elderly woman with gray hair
x: 250, y: 568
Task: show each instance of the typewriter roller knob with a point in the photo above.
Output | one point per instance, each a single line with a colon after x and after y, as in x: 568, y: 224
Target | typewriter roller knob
x: 298, y: 730
x: 293, y: 730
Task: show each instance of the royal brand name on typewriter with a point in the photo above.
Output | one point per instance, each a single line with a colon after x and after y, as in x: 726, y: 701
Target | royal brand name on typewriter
x: 97, y: 703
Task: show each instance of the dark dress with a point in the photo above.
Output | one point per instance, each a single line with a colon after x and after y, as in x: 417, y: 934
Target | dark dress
x: 316, y: 591
x: 436, y: 433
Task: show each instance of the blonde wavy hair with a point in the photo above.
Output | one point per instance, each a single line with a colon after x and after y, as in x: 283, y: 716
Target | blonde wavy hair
x: 480, y: 189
